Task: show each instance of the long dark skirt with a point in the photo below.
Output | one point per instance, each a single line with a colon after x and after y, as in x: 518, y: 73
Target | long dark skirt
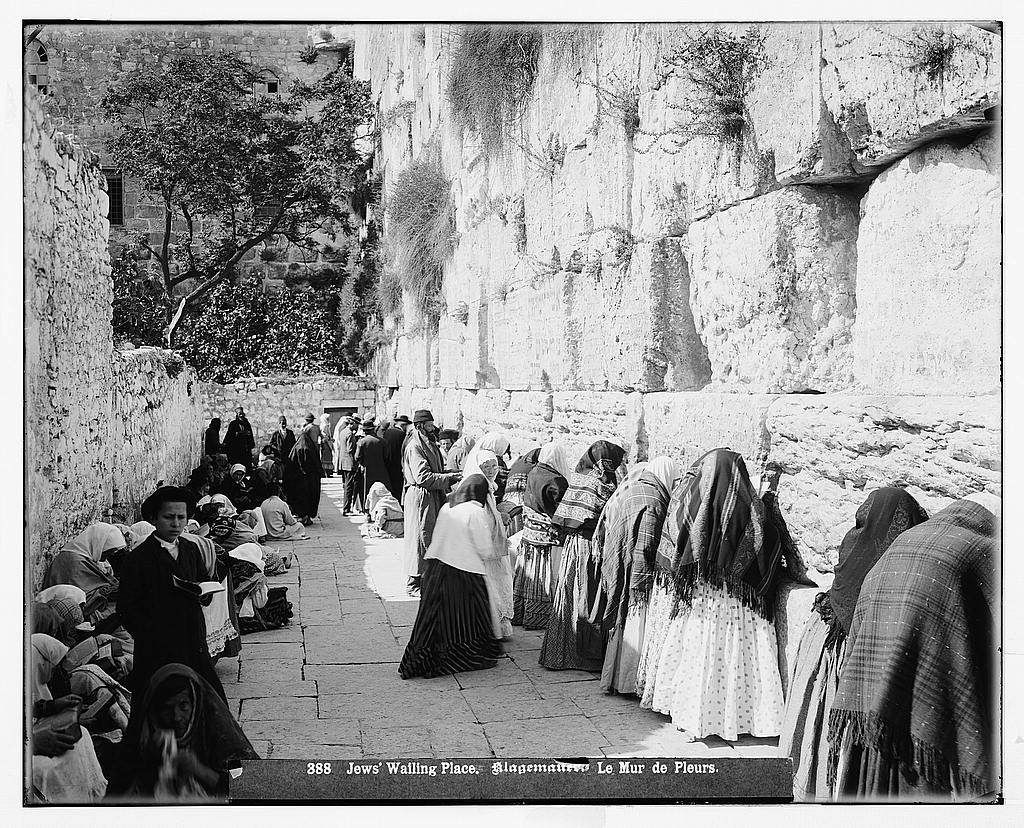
x: 303, y: 491
x: 453, y: 631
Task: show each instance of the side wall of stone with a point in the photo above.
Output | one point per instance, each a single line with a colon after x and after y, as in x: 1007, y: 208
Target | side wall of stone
x: 267, y: 398
x: 96, y: 420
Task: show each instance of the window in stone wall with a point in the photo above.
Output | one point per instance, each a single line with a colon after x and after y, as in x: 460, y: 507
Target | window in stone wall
x: 268, y: 84
x: 115, y: 195
x: 37, y: 66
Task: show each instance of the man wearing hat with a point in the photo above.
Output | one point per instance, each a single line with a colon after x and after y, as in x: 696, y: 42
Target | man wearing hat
x: 239, y: 442
x: 369, y: 457
x: 403, y: 422
x: 345, y: 439
x: 426, y: 484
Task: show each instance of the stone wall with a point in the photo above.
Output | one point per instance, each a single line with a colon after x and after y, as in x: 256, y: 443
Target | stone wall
x: 823, y: 298
x: 267, y: 398
x: 96, y: 421
x: 85, y: 59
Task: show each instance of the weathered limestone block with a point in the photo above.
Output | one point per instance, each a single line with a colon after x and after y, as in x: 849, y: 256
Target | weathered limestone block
x: 772, y: 285
x: 684, y: 426
x: 829, y: 453
x: 877, y: 88
x: 929, y: 262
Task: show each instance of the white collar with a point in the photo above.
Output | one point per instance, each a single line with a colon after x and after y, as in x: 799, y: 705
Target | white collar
x: 170, y: 546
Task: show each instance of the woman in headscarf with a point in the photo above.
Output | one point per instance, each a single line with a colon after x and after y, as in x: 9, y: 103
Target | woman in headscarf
x: 497, y: 567
x: 541, y: 546
x: 326, y: 445
x: 185, y: 742
x: 453, y: 632
x: 211, y: 439
x: 387, y: 520
x: 571, y: 642
x: 81, y: 561
x: 455, y: 459
x: 718, y: 670
x: 302, y: 475
x: 515, y: 487
x: 260, y: 607
x: 916, y: 710
x: 815, y: 676
x: 426, y: 484
x: 64, y: 766
x: 626, y: 544
x: 497, y: 443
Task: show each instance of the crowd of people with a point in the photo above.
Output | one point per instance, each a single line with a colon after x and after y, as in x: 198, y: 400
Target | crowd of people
x: 662, y: 579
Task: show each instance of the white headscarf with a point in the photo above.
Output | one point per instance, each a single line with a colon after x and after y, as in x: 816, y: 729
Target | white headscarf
x: 325, y: 424
x: 461, y: 534
x: 666, y: 470
x: 229, y: 507
x: 140, y: 531
x: 476, y: 457
x: 498, y: 538
x: 380, y: 496
x: 249, y: 552
x: 95, y: 540
x: 47, y: 653
x: 493, y: 441
x: 69, y: 591
x: 553, y: 454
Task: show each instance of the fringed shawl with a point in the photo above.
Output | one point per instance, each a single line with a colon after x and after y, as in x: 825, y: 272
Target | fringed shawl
x: 589, y: 488
x: 515, y: 484
x: 627, y: 535
x: 919, y: 680
x: 716, y: 531
x: 544, y: 489
x: 881, y: 518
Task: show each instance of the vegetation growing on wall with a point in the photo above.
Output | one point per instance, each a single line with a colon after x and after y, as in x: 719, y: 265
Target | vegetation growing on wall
x: 421, y: 232
x: 930, y: 50
x: 490, y: 79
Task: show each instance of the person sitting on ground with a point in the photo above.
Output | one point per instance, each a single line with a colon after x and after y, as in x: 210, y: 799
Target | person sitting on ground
x: 65, y: 769
x: 277, y: 515
x: 185, y: 742
x: 82, y: 561
x: 260, y: 607
x: 165, y: 620
x: 244, y: 489
x: 453, y: 629
x: 270, y: 468
x: 387, y: 520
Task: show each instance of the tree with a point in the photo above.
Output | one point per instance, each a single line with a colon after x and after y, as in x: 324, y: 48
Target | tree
x: 233, y: 169
x: 139, y: 305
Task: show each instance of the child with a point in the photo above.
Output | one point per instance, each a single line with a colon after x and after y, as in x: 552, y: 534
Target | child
x: 166, y: 621
x: 277, y: 515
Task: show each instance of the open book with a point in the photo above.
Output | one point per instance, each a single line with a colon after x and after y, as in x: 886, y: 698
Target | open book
x: 200, y: 589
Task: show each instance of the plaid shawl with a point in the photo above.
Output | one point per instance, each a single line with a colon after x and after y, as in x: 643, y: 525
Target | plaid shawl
x: 590, y: 486
x: 627, y: 535
x: 919, y: 679
x: 716, y: 531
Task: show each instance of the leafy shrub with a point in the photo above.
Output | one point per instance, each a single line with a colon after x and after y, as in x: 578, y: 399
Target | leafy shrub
x: 491, y: 77
x: 140, y: 305
x: 421, y: 231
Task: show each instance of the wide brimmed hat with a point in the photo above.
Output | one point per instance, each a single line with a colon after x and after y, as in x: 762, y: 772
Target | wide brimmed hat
x: 422, y: 415
x: 310, y: 418
x: 402, y: 418
x: 368, y: 423
x: 448, y: 434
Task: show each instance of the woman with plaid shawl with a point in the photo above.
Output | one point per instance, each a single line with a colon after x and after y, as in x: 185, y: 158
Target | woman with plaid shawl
x: 710, y: 631
x: 916, y: 710
x: 570, y: 641
x: 814, y: 678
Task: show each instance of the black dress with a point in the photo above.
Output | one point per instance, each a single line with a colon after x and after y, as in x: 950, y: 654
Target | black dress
x: 393, y: 439
x: 239, y: 443
x: 370, y: 456
x: 167, y: 623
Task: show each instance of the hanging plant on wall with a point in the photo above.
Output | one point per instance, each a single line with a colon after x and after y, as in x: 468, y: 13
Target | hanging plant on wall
x: 421, y: 232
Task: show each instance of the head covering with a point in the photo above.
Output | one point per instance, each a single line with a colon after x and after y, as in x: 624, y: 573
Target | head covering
x: 227, y: 507
x: 368, y: 424
x: 236, y: 468
x: 212, y: 733
x: 515, y: 483
x: 919, y: 681
x: 325, y: 421
x: 448, y: 434
x: 310, y: 418
x: 69, y: 611
x: 457, y: 454
x: 666, y: 470
x: 380, y: 495
x: 493, y: 441
x: 422, y: 415
x: 885, y: 514
x: 402, y: 418
x: 140, y: 531
x: 474, y: 487
x: 716, y: 532
x: 590, y: 486
x: 553, y: 455
x: 168, y: 494
x: 45, y: 619
x: 46, y: 652
x: 477, y: 457
x: 248, y: 552
x: 462, y: 533
x: 76, y: 594
x: 96, y: 539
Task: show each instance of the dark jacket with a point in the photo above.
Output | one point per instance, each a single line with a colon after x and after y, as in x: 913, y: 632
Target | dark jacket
x: 239, y: 443
x: 284, y: 443
x: 370, y: 455
x: 393, y: 438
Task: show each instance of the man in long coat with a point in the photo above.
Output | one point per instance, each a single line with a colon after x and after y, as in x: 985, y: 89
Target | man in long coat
x: 370, y: 458
x: 426, y: 482
x: 239, y: 441
x: 345, y: 441
x: 393, y: 437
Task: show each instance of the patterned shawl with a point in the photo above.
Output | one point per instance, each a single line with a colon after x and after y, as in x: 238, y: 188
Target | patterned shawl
x: 880, y: 519
x: 919, y: 682
x: 544, y: 489
x: 716, y: 531
x: 515, y: 485
x: 590, y: 486
x: 627, y: 534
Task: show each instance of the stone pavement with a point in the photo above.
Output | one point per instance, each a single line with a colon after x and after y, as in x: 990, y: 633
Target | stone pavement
x: 327, y: 687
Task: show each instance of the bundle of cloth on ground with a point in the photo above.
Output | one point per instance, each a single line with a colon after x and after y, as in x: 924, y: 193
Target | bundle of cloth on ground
x: 387, y: 519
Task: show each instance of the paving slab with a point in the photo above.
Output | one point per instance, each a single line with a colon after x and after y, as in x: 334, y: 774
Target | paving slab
x: 506, y: 672
x: 277, y: 707
x: 291, y: 633
x: 312, y: 731
x: 315, y: 753
x: 517, y: 701
x: 263, y: 689
x: 383, y: 711
x: 256, y: 650
x: 271, y: 670
x: 371, y: 678
x: 553, y: 738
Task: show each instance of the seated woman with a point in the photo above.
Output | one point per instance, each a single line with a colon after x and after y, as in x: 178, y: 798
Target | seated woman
x: 453, y: 631
x: 278, y: 518
x: 64, y: 764
x: 387, y: 520
x: 81, y: 562
x: 186, y: 740
x: 259, y: 606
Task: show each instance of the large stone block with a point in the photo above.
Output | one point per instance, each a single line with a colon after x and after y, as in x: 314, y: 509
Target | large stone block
x: 772, y: 285
x: 686, y: 425
x: 826, y: 455
x: 929, y: 263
